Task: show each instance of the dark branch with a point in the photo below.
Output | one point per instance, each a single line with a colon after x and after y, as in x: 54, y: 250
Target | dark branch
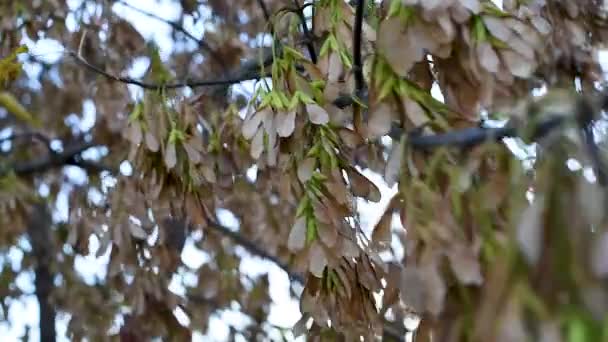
x: 40, y: 238
x: 90, y: 165
x: 254, y: 249
x: 470, y: 137
x: 265, y: 10
x: 50, y: 161
x: 307, y: 35
x: 29, y: 136
x: 154, y: 86
x: 357, y: 60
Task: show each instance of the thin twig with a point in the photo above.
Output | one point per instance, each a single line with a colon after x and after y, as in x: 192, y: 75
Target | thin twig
x: 307, y: 34
x: 469, y: 137
x: 49, y: 161
x: 254, y: 249
x: 264, y: 9
x: 155, y: 86
x: 29, y: 136
x: 357, y: 60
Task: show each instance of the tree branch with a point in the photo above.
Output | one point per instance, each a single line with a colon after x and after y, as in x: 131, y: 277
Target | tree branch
x: 254, y: 249
x: 52, y: 160
x: 264, y: 9
x: 357, y: 60
x: 29, y: 136
x: 470, y: 137
x: 154, y: 86
x: 308, y: 37
x: 40, y: 238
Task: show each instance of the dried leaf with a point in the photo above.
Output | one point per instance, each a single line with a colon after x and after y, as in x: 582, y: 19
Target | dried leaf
x: 137, y: 231
x: 297, y: 237
x: 251, y: 125
x: 413, y: 289
x: 300, y: 328
x: 517, y: 64
x: 134, y: 134
x: 415, y: 112
x: 435, y: 288
x: 152, y: 142
x: 394, y: 44
x: 465, y: 265
x: 193, y: 155
x: 170, y: 156
x: 317, y: 114
x: 497, y: 27
x: 318, y: 260
x: 529, y: 231
x: 382, y: 234
x: 257, y: 144
x: 306, y: 169
x: 472, y: 5
x: 338, y: 190
x: 350, y: 138
x: 380, y: 120
x: 599, y: 255
x: 286, y: 123
x: 487, y: 57
x: 392, y: 172
x: 363, y: 187
x: 592, y: 201
x: 327, y: 233
x: 541, y: 25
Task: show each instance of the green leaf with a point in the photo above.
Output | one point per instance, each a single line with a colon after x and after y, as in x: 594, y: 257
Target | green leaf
x: 13, y: 106
x: 478, y: 30
x: 304, y: 204
x: 394, y: 9
x: 325, y: 48
x: 311, y: 230
x: 158, y: 72
x: 137, y: 112
x: 293, y: 53
x: 176, y: 136
x: 10, y: 68
x: 387, y: 88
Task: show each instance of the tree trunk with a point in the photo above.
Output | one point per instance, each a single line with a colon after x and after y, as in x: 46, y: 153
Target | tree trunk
x: 39, y: 226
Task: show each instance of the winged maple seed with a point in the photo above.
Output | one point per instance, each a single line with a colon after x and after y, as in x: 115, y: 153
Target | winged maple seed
x: 362, y: 111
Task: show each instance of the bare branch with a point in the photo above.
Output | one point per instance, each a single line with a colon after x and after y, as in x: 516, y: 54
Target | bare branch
x: 254, y: 249
x: 357, y: 62
x: 264, y: 9
x: 50, y: 161
x: 154, y: 86
x: 30, y: 136
x: 307, y: 35
x: 40, y: 238
x: 470, y: 137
